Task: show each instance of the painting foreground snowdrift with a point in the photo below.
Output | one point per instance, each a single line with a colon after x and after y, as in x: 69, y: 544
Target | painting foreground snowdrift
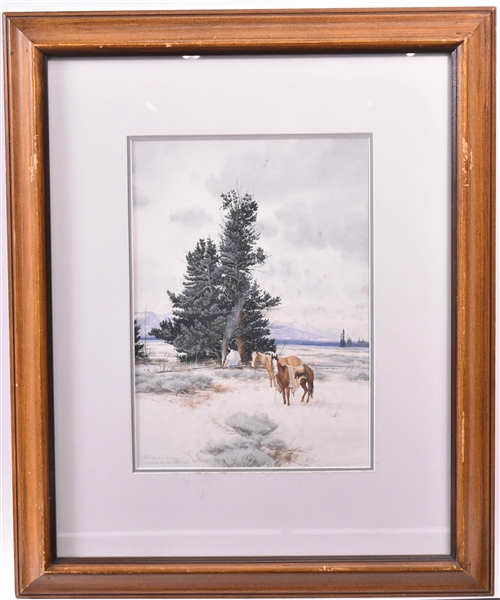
x: 204, y: 417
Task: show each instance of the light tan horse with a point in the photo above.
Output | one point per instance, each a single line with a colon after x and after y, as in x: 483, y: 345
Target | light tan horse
x: 292, y: 361
x: 305, y: 376
x: 266, y: 360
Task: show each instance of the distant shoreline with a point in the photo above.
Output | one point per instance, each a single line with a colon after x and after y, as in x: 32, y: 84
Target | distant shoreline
x: 149, y: 320
x: 314, y: 343
x: 279, y: 342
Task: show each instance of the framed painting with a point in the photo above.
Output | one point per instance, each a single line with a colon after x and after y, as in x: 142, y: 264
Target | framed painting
x: 230, y: 316
x: 238, y: 308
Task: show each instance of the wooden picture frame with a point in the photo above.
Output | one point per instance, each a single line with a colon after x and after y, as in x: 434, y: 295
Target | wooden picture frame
x: 468, y: 36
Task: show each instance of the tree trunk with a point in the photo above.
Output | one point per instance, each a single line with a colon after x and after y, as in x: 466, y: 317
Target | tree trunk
x: 240, y: 341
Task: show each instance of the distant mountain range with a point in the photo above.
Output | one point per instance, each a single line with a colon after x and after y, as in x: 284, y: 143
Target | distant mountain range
x: 285, y: 332
x: 282, y: 333
x: 147, y: 320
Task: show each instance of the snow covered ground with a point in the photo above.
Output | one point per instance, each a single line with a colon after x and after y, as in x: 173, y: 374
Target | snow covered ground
x: 205, y: 417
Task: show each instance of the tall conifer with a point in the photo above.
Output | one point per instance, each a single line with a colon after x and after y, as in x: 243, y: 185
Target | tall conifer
x: 139, y: 347
x: 199, y: 320
x: 239, y: 257
x: 221, y: 306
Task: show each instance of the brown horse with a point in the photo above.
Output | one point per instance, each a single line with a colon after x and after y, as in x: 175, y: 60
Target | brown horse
x: 283, y: 382
x: 305, y: 376
x: 290, y: 362
x: 266, y: 360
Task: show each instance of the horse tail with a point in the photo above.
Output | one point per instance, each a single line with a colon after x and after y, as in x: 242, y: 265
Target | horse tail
x: 311, y: 377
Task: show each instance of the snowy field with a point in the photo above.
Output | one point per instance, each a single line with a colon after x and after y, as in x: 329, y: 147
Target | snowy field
x: 205, y: 417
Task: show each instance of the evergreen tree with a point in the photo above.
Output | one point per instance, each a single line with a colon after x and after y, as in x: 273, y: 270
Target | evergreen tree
x: 221, y: 306
x: 255, y: 327
x: 342, y: 339
x: 239, y: 257
x: 199, y: 320
x: 348, y: 342
x: 140, y: 348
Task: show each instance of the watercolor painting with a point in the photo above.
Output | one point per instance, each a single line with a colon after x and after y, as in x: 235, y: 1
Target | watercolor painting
x: 251, y: 279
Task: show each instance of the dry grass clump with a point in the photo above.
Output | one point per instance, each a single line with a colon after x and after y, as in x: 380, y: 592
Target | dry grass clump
x: 193, y: 401
x: 218, y: 388
x: 284, y: 456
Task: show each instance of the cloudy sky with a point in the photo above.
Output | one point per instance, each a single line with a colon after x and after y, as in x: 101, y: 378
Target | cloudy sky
x: 313, y: 195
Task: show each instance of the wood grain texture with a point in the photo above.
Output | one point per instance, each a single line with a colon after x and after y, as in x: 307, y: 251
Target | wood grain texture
x: 29, y: 308
x: 475, y: 232
x: 248, y: 31
x: 468, y: 35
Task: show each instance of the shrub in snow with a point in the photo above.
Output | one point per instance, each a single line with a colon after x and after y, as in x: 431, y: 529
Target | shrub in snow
x: 240, y: 443
x: 361, y: 376
x: 320, y: 375
x: 254, y: 426
x: 243, y: 452
x: 255, y: 446
x: 275, y: 444
x: 244, y: 375
x: 243, y: 457
x: 173, y: 383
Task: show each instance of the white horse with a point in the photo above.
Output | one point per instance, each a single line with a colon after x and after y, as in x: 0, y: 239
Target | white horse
x: 266, y: 360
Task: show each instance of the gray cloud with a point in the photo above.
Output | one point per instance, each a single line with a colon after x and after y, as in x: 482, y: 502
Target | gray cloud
x: 322, y: 221
x: 190, y: 218
x: 266, y: 229
x: 318, y: 187
x: 273, y: 169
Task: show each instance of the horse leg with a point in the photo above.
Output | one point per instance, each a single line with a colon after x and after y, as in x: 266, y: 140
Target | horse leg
x: 271, y: 377
x: 281, y: 389
x: 303, y: 384
x: 311, y: 386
